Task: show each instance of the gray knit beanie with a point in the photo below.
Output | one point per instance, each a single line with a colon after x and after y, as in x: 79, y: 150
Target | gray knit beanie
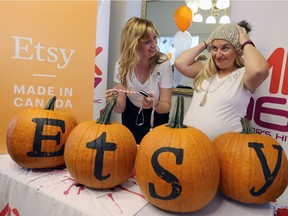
x: 228, y: 32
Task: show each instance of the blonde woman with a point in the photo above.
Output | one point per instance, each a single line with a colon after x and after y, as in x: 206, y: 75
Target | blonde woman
x: 141, y: 67
x: 225, y: 82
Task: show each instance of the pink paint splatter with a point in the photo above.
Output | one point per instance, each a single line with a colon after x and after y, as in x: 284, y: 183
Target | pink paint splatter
x: 80, y: 188
x: 50, y: 173
x: 138, y: 194
x: 281, y: 212
x: 110, y: 195
x: 37, y: 178
x: 7, y: 211
x: 133, y: 174
x: 134, y: 182
x: 68, y: 178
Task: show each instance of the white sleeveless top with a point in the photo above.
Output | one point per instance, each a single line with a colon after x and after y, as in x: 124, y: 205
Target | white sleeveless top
x: 227, y: 101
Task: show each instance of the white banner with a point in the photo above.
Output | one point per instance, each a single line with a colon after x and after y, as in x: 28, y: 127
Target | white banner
x: 101, y: 56
x: 268, y: 109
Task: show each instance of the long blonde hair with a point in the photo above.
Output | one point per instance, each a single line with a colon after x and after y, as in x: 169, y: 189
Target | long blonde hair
x: 210, y: 69
x: 135, y: 30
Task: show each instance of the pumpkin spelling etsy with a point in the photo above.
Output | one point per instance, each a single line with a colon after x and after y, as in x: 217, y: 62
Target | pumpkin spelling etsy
x: 100, y: 154
x: 36, y: 137
x: 254, y: 167
x: 177, y: 168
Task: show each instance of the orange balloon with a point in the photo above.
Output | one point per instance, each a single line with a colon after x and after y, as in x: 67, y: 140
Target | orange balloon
x: 183, y: 17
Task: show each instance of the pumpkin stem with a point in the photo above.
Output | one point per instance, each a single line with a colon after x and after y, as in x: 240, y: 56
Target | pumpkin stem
x: 50, y: 104
x: 106, y: 115
x: 176, y: 120
x: 246, y: 126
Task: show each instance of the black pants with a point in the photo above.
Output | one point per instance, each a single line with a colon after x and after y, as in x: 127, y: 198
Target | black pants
x: 129, y: 117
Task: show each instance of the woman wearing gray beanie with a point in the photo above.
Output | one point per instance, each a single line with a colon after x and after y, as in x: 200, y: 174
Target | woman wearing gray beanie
x: 224, y: 83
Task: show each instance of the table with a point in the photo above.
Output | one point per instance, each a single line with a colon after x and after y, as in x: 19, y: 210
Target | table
x: 52, y: 192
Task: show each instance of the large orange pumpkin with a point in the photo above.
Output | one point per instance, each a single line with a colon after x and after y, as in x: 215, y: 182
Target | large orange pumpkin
x: 177, y: 168
x: 253, y: 166
x: 100, y: 154
x: 36, y: 137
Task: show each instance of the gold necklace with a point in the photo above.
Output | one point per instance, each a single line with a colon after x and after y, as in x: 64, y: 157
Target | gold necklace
x: 204, y: 99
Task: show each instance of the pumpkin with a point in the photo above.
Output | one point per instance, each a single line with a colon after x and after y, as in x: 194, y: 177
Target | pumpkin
x: 253, y: 166
x: 36, y: 137
x: 100, y: 154
x: 177, y: 168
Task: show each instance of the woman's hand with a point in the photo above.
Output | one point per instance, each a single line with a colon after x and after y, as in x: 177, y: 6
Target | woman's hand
x: 243, y: 35
x: 147, y: 102
x: 208, y: 42
x: 111, y: 93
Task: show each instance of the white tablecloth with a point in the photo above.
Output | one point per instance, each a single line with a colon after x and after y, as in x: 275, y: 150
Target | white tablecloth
x: 53, y: 192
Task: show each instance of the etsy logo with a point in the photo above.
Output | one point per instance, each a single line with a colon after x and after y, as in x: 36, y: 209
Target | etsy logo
x: 27, y: 49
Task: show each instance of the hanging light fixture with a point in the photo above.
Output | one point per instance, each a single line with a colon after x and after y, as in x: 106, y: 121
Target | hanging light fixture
x: 211, y: 20
x: 205, y: 4
x: 213, y: 5
x: 193, y: 5
x: 224, y: 19
x: 198, y: 18
x: 222, y: 4
x: 214, y: 12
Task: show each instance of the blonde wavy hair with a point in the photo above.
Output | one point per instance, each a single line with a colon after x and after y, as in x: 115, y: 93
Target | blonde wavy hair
x: 136, y: 30
x: 210, y: 69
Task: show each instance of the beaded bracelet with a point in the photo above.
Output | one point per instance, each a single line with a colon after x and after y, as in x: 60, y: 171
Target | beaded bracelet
x: 247, y: 42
